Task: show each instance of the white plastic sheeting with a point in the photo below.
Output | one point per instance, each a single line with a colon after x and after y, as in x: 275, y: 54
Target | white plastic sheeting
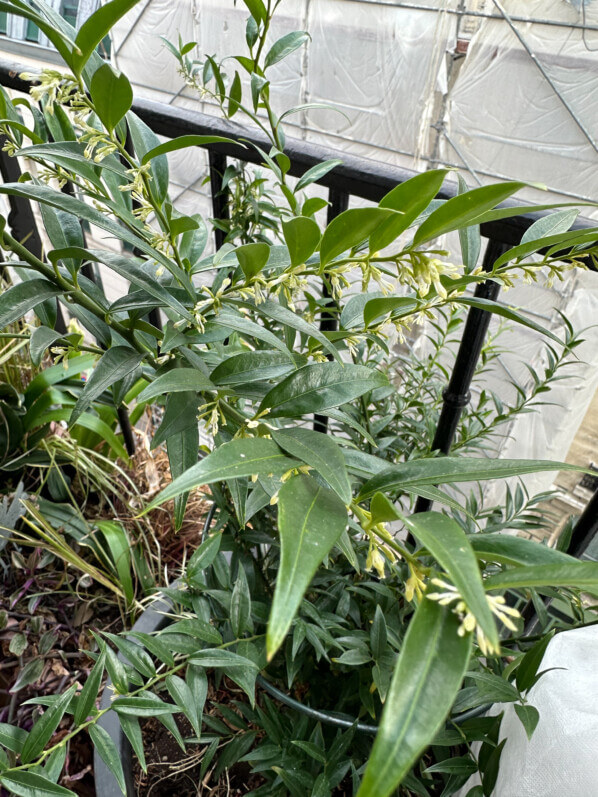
x: 389, y: 67
x: 560, y: 759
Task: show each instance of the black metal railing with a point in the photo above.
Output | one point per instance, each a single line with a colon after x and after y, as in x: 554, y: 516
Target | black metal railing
x: 359, y: 177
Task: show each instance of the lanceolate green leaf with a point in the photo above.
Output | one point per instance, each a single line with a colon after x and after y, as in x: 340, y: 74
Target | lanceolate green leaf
x: 349, y: 229
x: 183, y: 697
x: 316, y: 173
x: 146, y: 705
x: 431, y: 666
x: 183, y: 450
x: 16, y: 301
x: 506, y: 312
x: 310, y: 521
x: 109, y: 754
x: 253, y: 366
x: 119, y: 546
x: 115, y: 364
x: 45, y: 726
x: 30, y: 784
x: 144, y: 140
x: 410, y: 198
x: 513, y: 550
x: 86, y: 700
x: 176, y: 381
x: 285, y: 46
x: 452, y: 470
x: 276, y: 311
x: 463, y: 209
x: 247, y: 327
x: 239, y: 458
x: 182, y: 142
x: 579, y: 575
x: 320, y: 386
x: 320, y: 452
x: 444, y: 538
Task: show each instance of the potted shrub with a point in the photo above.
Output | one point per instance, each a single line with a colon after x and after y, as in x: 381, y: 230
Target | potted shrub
x: 300, y: 583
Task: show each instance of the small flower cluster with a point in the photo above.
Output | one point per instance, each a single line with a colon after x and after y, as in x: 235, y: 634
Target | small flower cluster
x: 52, y: 86
x: 136, y: 187
x: 450, y: 595
x: 423, y: 272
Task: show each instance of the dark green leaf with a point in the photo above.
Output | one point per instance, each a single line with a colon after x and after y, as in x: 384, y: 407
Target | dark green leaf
x: 469, y: 238
x: 11, y: 737
x: 378, y: 634
x: 320, y: 452
x: 109, y: 754
x: 96, y: 27
x: 30, y: 673
x: 529, y: 716
x: 183, y: 697
x: 41, y: 339
x: 252, y: 258
x: 182, y: 142
x: 30, y: 784
x: 253, y: 366
x: 115, y: 364
x: 176, y: 381
x: 312, y: 176
x: 87, y: 699
x: 145, y: 140
x: 182, y: 449
x: 319, y: 386
x: 293, y: 320
x: 240, y: 669
x: 147, y: 705
x: 240, y: 605
x: 511, y: 550
x: 239, y: 458
x: 204, y: 556
x: 21, y: 298
x: 525, y: 675
x: 580, y: 575
x: 310, y: 521
x: 431, y: 665
x: 445, y: 539
x: 506, y: 312
x: 132, y: 731
x: 45, y: 726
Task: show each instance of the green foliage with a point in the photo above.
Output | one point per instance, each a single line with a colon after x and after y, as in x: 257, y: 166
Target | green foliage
x: 301, y: 583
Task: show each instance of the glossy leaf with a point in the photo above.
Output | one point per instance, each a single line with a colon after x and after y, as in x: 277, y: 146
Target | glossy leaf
x: 444, y: 538
x: 45, y: 726
x: 349, y: 229
x: 111, y: 94
x: 22, y: 297
x: 115, y: 364
x: 240, y: 605
x: 453, y: 470
x: 319, y: 386
x: 463, y: 209
x: 509, y: 549
x: 145, y: 140
x: 302, y: 236
x: 155, y: 645
x: 247, y: 327
x: 180, y: 414
x: 320, y: 452
x: 427, y: 677
x: 30, y: 784
x: 132, y: 731
x: 410, y: 198
x: 310, y: 521
x: 529, y: 716
x: 109, y: 754
x: 146, y: 705
x: 176, y: 381
x: 469, y: 238
x: 253, y: 366
x: 87, y: 698
x: 183, y: 697
x: 580, y: 575
x: 239, y: 458
x: 30, y: 673
x: 240, y: 669
x: 204, y: 556
x: 397, y: 306
x: 277, y: 312
x: 11, y: 737
x: 41, y: 339
x: 527, y: 671
x: 552, y: 224
x: 562, y: 240
x: 183, y: 450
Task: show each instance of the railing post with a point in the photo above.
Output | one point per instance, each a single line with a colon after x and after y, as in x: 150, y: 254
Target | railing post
x: 585, y: 528
x: 457, y: 394
x: 220, y: 208
x: 338, y: 202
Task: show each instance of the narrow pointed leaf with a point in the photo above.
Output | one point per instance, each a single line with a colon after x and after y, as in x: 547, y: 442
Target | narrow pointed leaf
x: 132, y: 731
x: 45, y: 726
x: 234, y: 460
x: 253, y: 366
x: 276, y: 311
x: 285, y: 46
x: 183, y: 450
x: 320, y: 452
x: 316, y: 173
x: 21, y: 298
x: 427, y: 677
x: 115, y: 364
x: 505, y: 311
x: 453, y: 470
x: 580, y: 575
x: 109, y: 754
x: 509, y: 549
x: 87, y: 699
x: 182, y: 142
x: 320, y: 386
x: 147, y: 705
x: 349, y: 229
x: 183, y: 697
x: 176, y: 381
x: 447, y: 542
x: 310, y: 521
x: 96, y: 27
x: 30, y: 784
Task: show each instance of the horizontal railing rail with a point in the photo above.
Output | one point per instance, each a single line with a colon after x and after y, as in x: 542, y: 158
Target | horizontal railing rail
x: 355, y: 176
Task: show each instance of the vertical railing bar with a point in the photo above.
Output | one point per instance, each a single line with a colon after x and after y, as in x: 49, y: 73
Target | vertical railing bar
x: 22, y: 221
x: 457, y: 394
x: 220, y: 209
x: 585, y: 528
x: 338, y: 202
